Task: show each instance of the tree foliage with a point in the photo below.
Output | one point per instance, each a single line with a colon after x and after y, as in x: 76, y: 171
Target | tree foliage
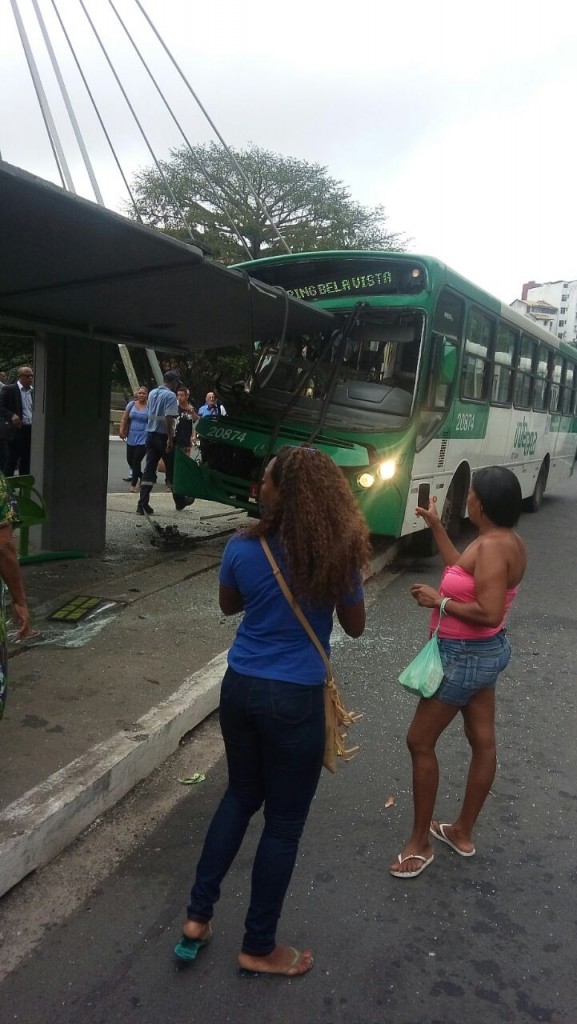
x: 15, y: 350
x: 311, y: 210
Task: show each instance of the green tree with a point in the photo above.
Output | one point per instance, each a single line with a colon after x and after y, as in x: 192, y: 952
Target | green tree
x: 15, y: 350
x: 310, y: 209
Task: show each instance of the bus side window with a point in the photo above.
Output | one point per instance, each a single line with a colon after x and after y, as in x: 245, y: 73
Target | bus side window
x: 542, y: 379
x: 478, y: 356
x: 568, y: 393
x: 504, y: 365
x: 446, y: 337
x: 556, y: 396
x: 525, y: 375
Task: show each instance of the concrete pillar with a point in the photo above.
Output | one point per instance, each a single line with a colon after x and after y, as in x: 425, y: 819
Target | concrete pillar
x: 70, y: 441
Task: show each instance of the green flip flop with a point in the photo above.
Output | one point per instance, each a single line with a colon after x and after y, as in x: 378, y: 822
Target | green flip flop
x: 188, y: 949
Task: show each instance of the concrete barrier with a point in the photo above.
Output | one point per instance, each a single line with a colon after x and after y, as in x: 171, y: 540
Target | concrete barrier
x: 40, y: 824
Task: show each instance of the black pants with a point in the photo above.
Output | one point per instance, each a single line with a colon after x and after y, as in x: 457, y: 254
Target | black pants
x: 155, y: 451
x: 4, y: 453
x: 134, y: 456
x: 19, y: 451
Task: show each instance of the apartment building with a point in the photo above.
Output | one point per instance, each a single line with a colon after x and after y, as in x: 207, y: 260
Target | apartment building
x: 536, y: 309
x: 553, y: 304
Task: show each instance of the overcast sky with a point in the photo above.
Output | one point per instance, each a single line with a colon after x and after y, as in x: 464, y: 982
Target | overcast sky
x: 458, y: 117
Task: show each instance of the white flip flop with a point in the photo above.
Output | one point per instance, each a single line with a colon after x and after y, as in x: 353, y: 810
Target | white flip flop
x: 440, y: 835
x: 412, y: 856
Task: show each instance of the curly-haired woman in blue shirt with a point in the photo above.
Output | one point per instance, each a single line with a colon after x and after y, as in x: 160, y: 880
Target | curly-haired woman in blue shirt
x: 271, y: 709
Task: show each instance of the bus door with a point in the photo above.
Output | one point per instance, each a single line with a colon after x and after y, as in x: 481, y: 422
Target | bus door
x: 440, y: 368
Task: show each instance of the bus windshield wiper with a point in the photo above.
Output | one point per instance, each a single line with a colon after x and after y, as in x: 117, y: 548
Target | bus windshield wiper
x: 352, y: 321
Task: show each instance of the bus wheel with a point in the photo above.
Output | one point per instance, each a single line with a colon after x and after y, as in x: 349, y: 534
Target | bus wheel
x: 422, y: 544
x: 533, y: 504
x: 451, y: 514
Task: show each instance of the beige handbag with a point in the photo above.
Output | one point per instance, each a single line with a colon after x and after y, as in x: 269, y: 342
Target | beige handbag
x: 337, y: 718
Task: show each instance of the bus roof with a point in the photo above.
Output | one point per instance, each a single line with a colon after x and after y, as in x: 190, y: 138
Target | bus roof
x: 439, y: 273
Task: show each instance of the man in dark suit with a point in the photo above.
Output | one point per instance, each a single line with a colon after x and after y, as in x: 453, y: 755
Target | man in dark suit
x: 16, y: 418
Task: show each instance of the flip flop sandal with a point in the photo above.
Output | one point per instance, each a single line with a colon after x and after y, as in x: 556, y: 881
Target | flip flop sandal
x: 412, y: 856
x: 188, y: 949
x: 440, y: 835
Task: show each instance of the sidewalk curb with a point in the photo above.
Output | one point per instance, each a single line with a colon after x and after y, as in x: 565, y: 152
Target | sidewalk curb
x: 40, y: 824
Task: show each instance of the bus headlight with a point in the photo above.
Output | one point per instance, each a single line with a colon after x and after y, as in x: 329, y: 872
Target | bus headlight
x: 387, y: 469
x: 366, y: 480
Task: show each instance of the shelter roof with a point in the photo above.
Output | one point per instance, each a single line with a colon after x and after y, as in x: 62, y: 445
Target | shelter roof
x: 71, y: 266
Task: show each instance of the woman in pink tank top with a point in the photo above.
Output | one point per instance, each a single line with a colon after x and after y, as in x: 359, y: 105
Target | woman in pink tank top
x: 477, y: 589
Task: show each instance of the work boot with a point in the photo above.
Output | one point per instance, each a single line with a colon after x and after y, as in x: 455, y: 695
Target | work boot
x: 181, y: 502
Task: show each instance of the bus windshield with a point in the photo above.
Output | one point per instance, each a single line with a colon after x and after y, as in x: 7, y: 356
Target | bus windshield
x: 373, y: 371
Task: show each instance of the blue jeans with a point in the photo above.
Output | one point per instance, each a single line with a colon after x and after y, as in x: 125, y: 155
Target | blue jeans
x: 471, y: 665
x: 274, y: 739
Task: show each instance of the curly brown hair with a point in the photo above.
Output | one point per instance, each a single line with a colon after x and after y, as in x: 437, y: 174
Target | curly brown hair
x: 324, y: 536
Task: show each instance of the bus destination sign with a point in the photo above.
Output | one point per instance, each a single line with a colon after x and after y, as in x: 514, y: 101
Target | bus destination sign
x: 339, y: 278
x: 359, y: 284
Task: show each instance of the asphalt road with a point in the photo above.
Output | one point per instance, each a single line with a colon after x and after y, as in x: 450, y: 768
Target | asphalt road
x: 481, y: 941
x: 117, y: 467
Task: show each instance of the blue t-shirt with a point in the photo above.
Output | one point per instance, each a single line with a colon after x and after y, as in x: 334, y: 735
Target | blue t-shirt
x: 270, y: 642
x: 211, y: 410
x: 138, y: 424
x: 162, y: 402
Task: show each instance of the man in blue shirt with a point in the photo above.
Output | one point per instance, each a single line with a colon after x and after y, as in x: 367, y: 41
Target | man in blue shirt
x: 162, y: 413
x: 211, y: 406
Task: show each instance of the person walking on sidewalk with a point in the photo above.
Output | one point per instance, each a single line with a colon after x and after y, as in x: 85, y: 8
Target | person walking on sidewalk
x: 133, y: 429
x: 11, y: 578
x: 477, y: 589
x: 271, y: 705
x: 162, y: 413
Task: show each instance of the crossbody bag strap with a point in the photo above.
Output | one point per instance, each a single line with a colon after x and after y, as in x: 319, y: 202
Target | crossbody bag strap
x: 295, y: 605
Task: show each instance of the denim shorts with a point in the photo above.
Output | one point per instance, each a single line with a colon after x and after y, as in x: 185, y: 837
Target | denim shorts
x: 470, y: 666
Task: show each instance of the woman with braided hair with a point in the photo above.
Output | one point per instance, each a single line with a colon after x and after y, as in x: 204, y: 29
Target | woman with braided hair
x: 271, y: 705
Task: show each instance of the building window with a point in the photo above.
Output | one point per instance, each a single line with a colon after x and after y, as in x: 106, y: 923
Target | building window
x: 563, y: 309
x: 562, y: 323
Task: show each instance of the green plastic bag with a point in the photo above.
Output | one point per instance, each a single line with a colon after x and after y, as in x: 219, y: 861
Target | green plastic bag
x: 424, y: 673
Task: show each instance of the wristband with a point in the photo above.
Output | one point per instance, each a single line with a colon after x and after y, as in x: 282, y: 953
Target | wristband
x: 443, y: 605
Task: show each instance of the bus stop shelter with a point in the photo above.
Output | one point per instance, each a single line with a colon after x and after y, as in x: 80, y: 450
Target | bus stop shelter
x: 81, y: 279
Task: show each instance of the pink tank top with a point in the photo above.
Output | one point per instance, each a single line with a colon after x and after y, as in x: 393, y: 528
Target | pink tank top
x: 460, y: 586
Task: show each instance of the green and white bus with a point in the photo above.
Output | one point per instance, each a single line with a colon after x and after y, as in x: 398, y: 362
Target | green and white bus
x: 421, y: 379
